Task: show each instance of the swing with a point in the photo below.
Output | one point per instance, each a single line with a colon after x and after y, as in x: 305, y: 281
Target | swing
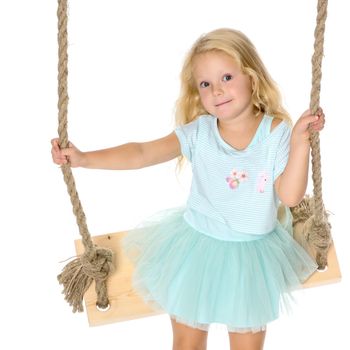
x: 97, y: 270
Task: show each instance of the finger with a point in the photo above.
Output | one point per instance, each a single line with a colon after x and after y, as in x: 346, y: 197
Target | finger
x: 320, y: 121
x: 66, y: 152
x: 321, y: 116
x: 62, y: 160
x: 311, y: 119
x: 55, y: 145
x: 317, y: 129
x: 58, y: 155
x: 319, y: 125
x: 55, y: 152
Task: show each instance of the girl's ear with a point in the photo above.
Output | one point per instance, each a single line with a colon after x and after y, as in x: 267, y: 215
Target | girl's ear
x: 253, y: 82
x: 253, y: 85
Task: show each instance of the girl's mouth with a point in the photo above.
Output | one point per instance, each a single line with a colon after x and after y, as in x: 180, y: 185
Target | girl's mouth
x: 222, y: 103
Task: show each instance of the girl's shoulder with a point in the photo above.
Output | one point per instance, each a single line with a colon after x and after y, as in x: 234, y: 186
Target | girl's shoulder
x: 274, y: 132
x: 278, y: 125
x: 275, y: 122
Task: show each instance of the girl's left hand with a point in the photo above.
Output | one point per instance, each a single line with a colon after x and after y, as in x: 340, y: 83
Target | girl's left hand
x: 301, y: 131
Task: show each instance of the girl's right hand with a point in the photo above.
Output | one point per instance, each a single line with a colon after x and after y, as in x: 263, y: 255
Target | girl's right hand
x: 70, y: 154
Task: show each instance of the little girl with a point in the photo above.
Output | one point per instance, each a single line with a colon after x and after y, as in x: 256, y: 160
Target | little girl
x: 223, y: 258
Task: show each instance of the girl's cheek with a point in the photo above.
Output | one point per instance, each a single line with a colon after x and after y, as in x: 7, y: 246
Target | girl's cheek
x: 203, y: 97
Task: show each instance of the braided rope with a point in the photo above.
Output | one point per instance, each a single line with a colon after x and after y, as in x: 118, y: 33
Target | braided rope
x: 96, y: 263
x: 314, y: 105
x: 316, y: 230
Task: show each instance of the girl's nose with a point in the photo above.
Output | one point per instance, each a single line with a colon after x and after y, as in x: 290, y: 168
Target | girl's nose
x: 217, y: 90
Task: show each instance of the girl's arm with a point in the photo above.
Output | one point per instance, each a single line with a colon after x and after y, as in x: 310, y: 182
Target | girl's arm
x: 133, y: 155
x: 292, y: 183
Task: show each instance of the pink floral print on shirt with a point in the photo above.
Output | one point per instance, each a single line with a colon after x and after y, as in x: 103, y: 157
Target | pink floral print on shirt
x: 236, y: 178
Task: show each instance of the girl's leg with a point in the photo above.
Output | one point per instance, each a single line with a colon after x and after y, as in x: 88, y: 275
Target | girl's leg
x: 188, y: 338
x: 247, y: 341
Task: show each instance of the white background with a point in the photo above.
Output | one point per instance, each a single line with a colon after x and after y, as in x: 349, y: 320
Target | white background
x: 124, y: 62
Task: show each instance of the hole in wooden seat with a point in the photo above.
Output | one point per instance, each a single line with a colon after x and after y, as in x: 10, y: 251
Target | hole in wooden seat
x: 103, y: 309
x: 323, y: 270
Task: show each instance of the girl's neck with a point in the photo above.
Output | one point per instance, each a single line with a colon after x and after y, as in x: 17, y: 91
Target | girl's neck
x: 240, y: 125
x: 241, y: 134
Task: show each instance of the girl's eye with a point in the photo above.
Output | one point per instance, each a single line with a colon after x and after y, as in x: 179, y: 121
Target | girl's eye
x: 227, y: 77
x: 204, y: 84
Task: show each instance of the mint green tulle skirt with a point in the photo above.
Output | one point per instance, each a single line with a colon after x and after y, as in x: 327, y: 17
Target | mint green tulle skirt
x: 200, y: 280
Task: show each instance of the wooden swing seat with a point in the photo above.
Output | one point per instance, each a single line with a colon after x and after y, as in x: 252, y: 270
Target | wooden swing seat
x: 125, y: 304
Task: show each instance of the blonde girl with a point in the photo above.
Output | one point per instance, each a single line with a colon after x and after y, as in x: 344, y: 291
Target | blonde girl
x: 223, y: 258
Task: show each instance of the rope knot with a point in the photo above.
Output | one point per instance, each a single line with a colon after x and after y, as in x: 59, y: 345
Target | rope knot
x: 318, y: 236
x: 98, y: 264
x: 77, y: 276
x: 313, y: 235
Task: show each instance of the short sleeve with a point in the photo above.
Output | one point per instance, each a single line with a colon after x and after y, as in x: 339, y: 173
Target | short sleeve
x: 187, y: 135
x: 282, y: 152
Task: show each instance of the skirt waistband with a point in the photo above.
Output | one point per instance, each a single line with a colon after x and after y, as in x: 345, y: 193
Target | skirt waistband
x: 220, y: 231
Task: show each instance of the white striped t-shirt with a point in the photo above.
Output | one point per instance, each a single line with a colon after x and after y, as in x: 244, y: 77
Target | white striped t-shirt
x: 232, y: 196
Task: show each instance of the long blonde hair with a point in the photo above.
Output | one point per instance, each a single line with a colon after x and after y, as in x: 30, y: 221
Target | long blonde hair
x: 266, y: 97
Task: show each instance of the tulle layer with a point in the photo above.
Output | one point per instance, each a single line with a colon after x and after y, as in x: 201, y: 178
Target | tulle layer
x: 200, y: 280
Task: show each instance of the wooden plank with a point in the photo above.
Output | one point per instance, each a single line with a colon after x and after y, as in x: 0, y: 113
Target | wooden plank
x: 125, y: 304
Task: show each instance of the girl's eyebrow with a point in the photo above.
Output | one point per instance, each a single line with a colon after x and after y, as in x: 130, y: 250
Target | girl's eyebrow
x: 198, y: 77
x: 199, y: 80
x: 223, y: 72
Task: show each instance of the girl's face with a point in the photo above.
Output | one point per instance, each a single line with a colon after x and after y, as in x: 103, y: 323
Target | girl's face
x: 224, y: 90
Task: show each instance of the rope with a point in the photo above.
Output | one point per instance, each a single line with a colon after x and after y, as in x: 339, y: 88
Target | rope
x: 314, y: 105
x: 316, y: 228
x: 95, y: 263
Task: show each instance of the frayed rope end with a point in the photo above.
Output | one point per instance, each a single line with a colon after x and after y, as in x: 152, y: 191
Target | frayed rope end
x: 75, y: 283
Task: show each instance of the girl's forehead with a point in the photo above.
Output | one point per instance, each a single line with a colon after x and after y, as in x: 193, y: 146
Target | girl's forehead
x: 212, y: 60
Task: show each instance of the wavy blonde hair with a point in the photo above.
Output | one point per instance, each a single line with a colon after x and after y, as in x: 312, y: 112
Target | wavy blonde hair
x: 266, y: 97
